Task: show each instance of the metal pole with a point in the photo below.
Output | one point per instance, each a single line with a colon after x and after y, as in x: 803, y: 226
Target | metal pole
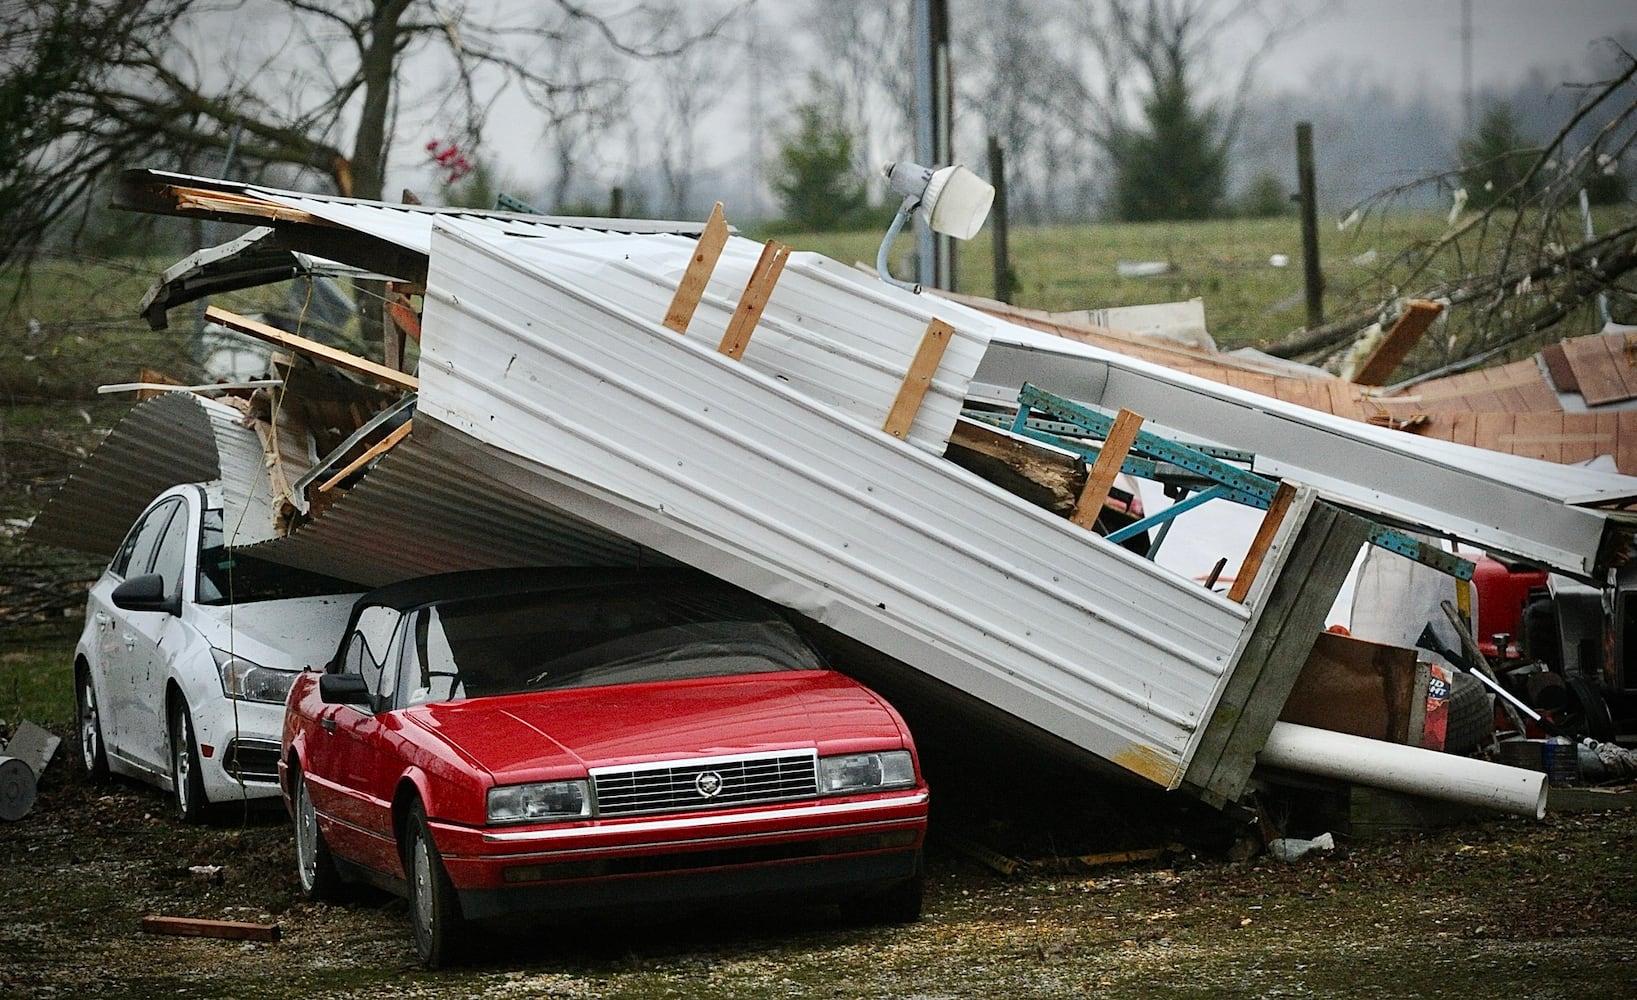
x: 1310, y: 225
x: 943, y: 143
x: 925, y: 150
x: 997, y: 222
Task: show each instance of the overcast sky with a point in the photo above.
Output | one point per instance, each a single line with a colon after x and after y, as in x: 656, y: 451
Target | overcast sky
x: 1415, y: 45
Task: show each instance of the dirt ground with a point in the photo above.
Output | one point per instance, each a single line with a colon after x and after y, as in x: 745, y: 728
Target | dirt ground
x: 1497, y: 907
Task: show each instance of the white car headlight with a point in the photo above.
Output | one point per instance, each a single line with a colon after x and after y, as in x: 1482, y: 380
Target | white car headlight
x: 246, y: 680
x: 863, y: 772
x: 539, y: 803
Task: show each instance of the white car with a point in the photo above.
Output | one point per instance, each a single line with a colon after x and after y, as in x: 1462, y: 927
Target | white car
x: 188, y: 650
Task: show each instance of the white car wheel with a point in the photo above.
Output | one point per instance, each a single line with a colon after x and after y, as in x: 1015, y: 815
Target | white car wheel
x: 93, y: 755
x: 187, y: 783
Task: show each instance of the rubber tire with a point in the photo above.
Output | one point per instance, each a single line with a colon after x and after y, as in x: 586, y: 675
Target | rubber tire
x: 315, y: 865
x: 1471, y: 715
x: 897, y: 904
x: 93, y: 752
x: 187, y: 778
x: 434, y: 910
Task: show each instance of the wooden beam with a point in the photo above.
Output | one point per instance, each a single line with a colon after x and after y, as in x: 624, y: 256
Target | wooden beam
x: 1047, y: 477
x: 380, y: 447
x: 1109, y: 459
x: 1259, y: 545
x: 232, y: 930
x: 1404, y: 335
x: 757, y: 291
x: 692, y: 286
x: 227, y: 203
x: 313, y: 349
x: 399, y: 321
x: 918, y: 379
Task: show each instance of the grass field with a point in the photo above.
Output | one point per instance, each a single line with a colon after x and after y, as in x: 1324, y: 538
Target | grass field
x: 89, y: 329
x: 1248, y: 301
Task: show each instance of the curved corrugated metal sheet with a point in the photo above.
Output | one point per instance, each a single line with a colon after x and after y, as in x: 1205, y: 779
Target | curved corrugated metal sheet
x: 418, y: 511
x: 178, y: 437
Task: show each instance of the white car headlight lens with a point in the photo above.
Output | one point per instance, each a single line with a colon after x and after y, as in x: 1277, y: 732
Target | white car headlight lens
x: 247, y: 680
x: 862, y: 772
x: 539, y: 803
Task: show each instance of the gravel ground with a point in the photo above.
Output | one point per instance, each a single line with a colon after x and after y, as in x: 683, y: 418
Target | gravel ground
x: 1489, y: 908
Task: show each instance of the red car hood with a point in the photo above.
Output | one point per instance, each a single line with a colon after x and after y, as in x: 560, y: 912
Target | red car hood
x: 557, y: 734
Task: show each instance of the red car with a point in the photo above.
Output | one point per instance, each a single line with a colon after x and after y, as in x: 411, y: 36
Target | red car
x: 510, y: 742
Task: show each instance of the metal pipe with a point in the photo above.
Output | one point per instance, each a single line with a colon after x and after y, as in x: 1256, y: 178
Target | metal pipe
x: 1400, y: 768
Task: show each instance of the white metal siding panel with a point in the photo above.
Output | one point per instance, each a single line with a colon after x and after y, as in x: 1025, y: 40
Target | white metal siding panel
x: 900, y: 549
x: 836, y: 341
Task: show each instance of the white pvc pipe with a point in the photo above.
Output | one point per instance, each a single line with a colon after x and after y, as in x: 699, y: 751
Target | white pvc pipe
x: 1400, y: 768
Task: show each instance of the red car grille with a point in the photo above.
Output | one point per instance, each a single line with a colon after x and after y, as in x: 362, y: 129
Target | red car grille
x: 711, y: 783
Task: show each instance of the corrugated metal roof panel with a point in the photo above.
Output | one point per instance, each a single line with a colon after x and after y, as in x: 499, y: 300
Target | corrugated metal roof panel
x: 420, y: 511
x: 174, y: 438
x: 410, y: 226
x: 725, y: 467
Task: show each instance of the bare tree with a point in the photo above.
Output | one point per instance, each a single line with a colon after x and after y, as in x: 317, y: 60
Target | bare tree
x: 861, y: 59
x: 320, y: 85
x: 1204, y: 52
x: 1015, y: 73
x: 691, y: 86
x: 1514, y: 271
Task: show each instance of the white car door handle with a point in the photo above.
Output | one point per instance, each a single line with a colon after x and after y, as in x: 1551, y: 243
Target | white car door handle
x: 101, y: 618
x: 130, y: 640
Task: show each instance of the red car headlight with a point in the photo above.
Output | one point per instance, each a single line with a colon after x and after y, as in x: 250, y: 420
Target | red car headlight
x: 543, y: 802
x: 865, y: 772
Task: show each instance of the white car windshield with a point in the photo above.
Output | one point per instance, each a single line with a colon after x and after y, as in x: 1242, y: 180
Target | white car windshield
x: 228, y: 576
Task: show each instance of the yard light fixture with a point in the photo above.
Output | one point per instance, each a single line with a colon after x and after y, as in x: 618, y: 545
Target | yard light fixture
x: 953, y: 200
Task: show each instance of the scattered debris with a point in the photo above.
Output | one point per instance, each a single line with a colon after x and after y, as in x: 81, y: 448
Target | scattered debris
x: 27, y: 754
x: 17, y: 789
x: 33, y: 746
x: 232, y: 930
x: 1294, y: 848
x: 1142, y: 268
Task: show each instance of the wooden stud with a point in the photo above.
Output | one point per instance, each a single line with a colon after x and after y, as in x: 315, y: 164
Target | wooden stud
x: 189, y: 199
x: 692, y: 286
x: 757, y: 291
x: 233, y: 930
x: 401, y: 308
x: 312, y: 348
x: 398, y: 321
x: 918, y: 379
x: 380, y: 447
x: 1261, y: 543
x: 1405, y: 334
x: 392, y: 336
x: 1109, y: 459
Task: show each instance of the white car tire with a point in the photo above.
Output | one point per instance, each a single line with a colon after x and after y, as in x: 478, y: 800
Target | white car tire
x: 93, y: 752
x: 187, y: 779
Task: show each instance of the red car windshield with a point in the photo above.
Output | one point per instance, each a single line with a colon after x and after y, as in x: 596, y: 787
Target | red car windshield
x: 583, y: 638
